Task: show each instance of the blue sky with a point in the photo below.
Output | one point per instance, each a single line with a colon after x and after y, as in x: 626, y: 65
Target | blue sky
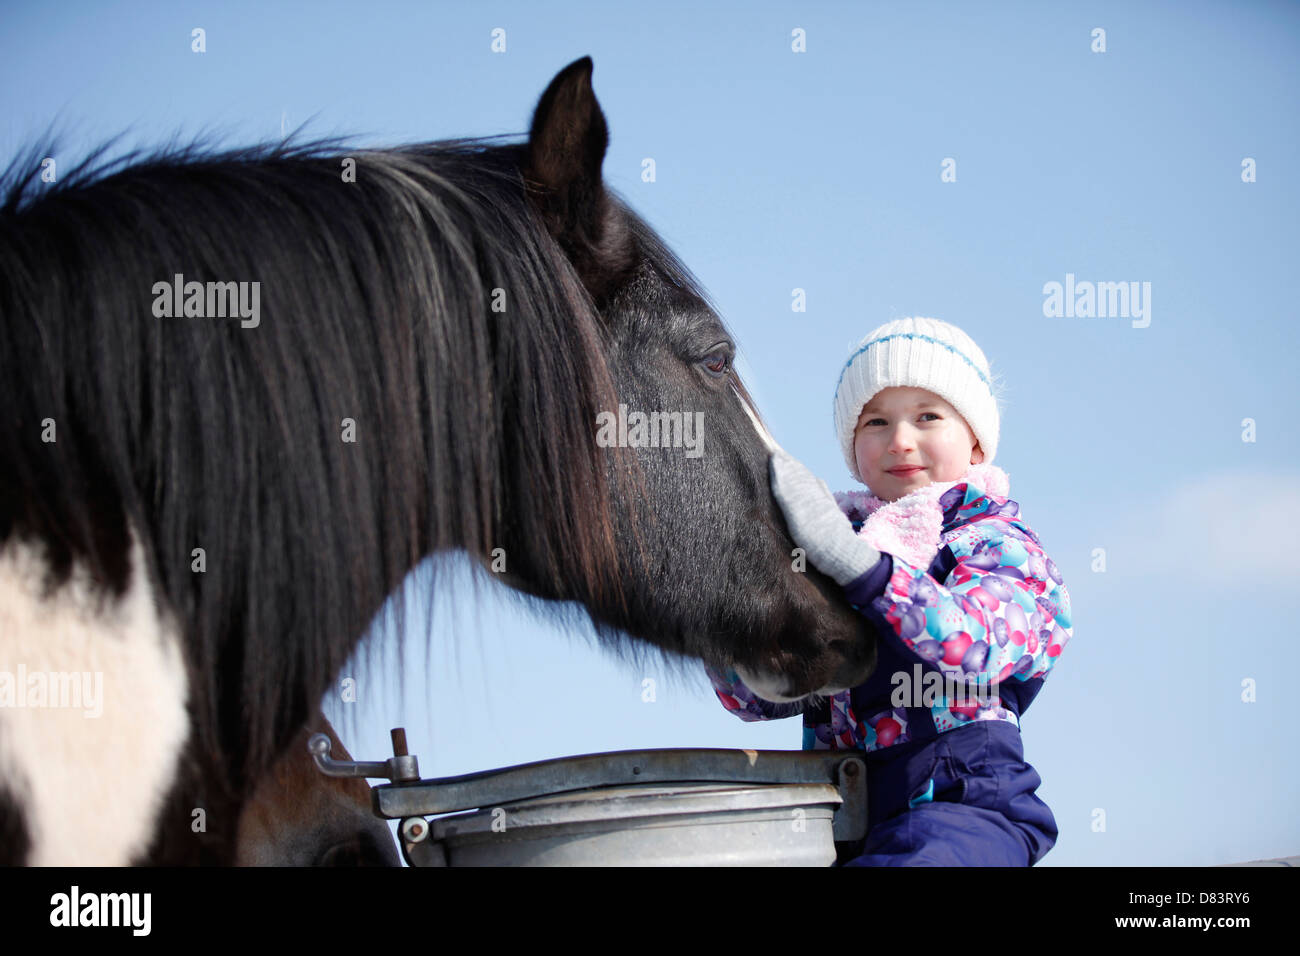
x: 821, y: 171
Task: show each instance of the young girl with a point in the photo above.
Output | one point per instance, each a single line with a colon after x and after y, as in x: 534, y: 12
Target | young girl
x: 970, y: 612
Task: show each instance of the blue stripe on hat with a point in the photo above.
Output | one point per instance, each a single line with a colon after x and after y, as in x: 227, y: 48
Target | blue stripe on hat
x: 912, y: 335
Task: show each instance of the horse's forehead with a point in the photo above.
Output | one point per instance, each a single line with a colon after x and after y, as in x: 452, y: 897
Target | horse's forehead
x: 652, y: 303
x: 660, y: 325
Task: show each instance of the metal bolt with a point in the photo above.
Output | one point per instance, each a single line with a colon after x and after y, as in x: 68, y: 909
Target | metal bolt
x: 414, y: 830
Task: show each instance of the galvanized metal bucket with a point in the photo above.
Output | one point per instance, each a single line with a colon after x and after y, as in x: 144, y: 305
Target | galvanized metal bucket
x: 673, y: 807
x: 687, y: 824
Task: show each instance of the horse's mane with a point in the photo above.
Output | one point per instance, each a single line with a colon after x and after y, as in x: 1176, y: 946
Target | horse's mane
x: 376, y: 299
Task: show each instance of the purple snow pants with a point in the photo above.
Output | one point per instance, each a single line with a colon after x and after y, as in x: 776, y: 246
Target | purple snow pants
x: 965, y: 798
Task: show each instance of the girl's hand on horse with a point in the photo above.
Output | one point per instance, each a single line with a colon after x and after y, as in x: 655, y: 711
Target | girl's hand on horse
x: 816, y: 522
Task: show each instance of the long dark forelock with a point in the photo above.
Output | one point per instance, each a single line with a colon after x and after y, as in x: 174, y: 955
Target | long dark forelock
x: 376, y: 306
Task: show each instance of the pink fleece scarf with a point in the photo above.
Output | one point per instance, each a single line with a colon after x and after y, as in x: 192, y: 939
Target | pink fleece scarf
x: 911, y: 528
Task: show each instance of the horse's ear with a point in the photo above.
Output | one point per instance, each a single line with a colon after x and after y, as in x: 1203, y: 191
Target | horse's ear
x: 566, y: 148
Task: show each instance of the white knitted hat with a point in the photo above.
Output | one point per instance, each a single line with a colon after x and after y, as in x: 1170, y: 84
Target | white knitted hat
x: 918, y: 353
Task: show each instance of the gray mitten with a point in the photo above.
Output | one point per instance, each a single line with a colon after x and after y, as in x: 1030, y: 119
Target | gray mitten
x: 816, y: 522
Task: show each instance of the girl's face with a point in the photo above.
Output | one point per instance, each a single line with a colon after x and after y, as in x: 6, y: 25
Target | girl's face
x: 902, y: 427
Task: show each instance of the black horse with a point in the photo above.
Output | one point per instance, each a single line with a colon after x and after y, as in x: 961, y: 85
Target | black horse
x: 243, y: 394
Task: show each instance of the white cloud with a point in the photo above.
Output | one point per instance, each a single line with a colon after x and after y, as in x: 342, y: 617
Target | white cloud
x: 1214, y: 527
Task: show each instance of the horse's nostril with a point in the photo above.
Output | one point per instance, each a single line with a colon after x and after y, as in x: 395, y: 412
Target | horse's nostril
x: 357, y: 851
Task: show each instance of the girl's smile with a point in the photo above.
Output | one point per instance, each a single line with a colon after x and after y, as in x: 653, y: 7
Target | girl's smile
x: 907, y: 438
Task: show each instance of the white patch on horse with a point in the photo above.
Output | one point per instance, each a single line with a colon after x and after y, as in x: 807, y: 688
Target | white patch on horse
x: 774, y: 687
x: 766, y: 436
x: 90, y: 787
x: 766, y: 685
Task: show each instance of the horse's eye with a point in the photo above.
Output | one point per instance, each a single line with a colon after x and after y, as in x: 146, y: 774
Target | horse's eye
x: 717, y: 363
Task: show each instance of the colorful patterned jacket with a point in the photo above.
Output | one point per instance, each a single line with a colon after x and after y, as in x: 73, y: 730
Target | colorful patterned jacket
x: 970, y: 612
